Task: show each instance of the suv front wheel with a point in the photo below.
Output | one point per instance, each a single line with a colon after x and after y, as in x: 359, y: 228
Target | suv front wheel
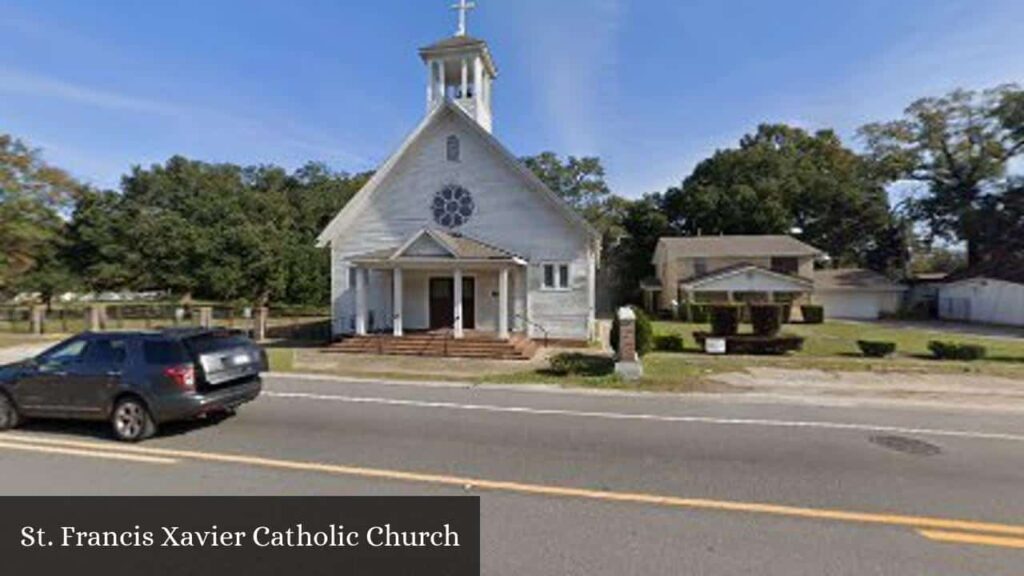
x: 131, y: 421
x: 9, y: 416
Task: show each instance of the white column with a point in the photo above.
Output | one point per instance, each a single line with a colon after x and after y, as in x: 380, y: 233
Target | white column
x: 457, y: 297
x: 478, y: 80
x: 439, y: 81
x: 503, y: 304
x: 430, y: 85
x: 465, y: 78
x: 396, y: 283
x: 361, y: 301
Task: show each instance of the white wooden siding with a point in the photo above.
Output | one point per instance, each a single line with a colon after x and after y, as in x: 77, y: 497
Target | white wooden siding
x: 983, y: 300
x: 509, y: 214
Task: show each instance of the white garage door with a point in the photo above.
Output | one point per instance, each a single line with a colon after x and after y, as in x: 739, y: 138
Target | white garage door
x: 856, y: 305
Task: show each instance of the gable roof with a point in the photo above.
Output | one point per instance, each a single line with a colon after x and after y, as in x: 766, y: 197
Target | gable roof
x: 735, y: 246
x: 457, y: 246
x: 742, y: 268
x: 854, y: 279
x: 363, y: 197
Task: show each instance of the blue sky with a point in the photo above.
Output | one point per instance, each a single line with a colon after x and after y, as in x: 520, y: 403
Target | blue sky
x: 650, y: 86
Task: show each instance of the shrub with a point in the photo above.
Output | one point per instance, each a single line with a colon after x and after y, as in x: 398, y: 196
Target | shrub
x: 669, y: 343
x: 756, y: 345
x: 787, y: 313
x: 725, y: 319
x: 577, y: 364
x: 956, y: 351
x: 699, y: 313
x: 876, y: 349
x: 813, y: 314
x: 766, y: 318
x: 644, y: 333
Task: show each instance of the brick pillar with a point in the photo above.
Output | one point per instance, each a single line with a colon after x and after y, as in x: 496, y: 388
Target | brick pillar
x: 628, y: 365
x: 260, y: 319
x: 627, y: 335
x: 206, y: 317
x: 38, y: 319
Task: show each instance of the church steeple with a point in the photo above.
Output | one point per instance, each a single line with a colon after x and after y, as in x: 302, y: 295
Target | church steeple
x: 461, y: 69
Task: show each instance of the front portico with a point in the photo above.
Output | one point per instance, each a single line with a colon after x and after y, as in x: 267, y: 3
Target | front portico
x: 440, y: 281
x: 745, y: 283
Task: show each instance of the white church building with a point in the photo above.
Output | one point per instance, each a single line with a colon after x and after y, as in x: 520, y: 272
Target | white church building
x: 453, y: 234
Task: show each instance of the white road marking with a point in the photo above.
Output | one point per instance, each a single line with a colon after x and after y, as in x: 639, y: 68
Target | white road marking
x: 809, y: 424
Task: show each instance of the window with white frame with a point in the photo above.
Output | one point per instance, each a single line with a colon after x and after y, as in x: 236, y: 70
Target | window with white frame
x: 556, y: 276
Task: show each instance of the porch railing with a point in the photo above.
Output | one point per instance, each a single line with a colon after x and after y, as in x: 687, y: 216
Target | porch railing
x: 528, y: 322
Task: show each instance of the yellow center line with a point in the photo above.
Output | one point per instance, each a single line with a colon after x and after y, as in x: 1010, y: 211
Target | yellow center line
x: 979, y: 539
x: 103, y: 455
x: 917, y: 522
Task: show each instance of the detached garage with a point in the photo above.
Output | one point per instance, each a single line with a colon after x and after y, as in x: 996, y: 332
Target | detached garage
x: 983, y: 299
x: 856, y: 294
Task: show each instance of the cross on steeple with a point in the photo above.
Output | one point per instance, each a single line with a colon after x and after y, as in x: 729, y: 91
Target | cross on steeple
x: 463, y: 7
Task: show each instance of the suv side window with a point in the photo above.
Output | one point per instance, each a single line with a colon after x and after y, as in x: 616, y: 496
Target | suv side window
x: 65, y: 354
x: 164, y: 352
x: 106, y: 352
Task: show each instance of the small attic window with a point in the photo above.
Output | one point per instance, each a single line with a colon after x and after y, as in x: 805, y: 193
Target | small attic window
x: 454, y: 149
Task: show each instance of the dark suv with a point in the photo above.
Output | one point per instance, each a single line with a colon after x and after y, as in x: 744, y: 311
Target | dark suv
x: 135, y: 380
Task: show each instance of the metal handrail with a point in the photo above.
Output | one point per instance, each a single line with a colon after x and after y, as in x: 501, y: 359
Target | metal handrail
x: 547, y: 335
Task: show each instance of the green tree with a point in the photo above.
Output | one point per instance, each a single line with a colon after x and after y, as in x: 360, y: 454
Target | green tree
x: 212, y: 231
x: 32, y: 196
x: 628, y: 261
x: 581, y: 183
x: 958, y: 146
x: 782, y: 178
x: 99, y: 242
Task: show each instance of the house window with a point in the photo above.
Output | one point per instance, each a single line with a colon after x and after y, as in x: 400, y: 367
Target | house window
x: 556, y: 276
x: 700, y: 267
x: 786, y: 266
x: 454, y: 149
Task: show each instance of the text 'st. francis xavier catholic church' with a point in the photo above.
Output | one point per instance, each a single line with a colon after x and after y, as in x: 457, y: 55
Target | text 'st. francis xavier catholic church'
x: 453, y: 233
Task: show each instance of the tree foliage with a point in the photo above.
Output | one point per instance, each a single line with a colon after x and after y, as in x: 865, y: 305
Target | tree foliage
x: 959, y: 147
x: 782, y: 178
x: 32, y: 195
x: 581, y: 183
x: 212, y: 231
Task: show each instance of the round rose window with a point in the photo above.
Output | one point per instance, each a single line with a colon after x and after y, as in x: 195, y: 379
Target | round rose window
x: 453, y: 206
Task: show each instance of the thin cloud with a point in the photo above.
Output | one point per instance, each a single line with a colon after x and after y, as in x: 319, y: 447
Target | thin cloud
x: 573, y: 52
x: 208, y: 120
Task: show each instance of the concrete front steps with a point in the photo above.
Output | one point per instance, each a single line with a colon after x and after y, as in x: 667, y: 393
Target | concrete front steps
x: 439, y: 345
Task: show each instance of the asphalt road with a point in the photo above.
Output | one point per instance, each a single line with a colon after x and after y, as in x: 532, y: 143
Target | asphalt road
x: 598, y: 484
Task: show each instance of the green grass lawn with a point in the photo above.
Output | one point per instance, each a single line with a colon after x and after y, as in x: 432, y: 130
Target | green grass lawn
x: 8, y: 340
x: 830, y: 347
x: 838, y: 340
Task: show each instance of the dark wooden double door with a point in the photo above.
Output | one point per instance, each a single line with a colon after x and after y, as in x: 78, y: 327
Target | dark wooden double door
x: 442, y: 303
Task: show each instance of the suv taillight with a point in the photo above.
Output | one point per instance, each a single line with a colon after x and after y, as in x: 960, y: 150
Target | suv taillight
x: 184, y: 376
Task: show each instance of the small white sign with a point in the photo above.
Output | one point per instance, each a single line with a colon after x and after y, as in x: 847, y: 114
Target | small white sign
x: 714, y: 345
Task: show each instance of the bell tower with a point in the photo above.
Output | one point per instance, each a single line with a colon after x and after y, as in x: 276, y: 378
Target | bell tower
x: 460, y: 69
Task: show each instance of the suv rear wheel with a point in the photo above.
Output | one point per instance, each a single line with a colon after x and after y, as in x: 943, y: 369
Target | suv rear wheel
x: 9, y: 416
x: 131, y: 421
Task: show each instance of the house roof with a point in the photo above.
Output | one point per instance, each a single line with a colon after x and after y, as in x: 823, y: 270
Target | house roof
x: 853, y: 279
x: 458, y: 246
x: 738, y: 269
x: 736, y: 246
x: 362, y: 199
